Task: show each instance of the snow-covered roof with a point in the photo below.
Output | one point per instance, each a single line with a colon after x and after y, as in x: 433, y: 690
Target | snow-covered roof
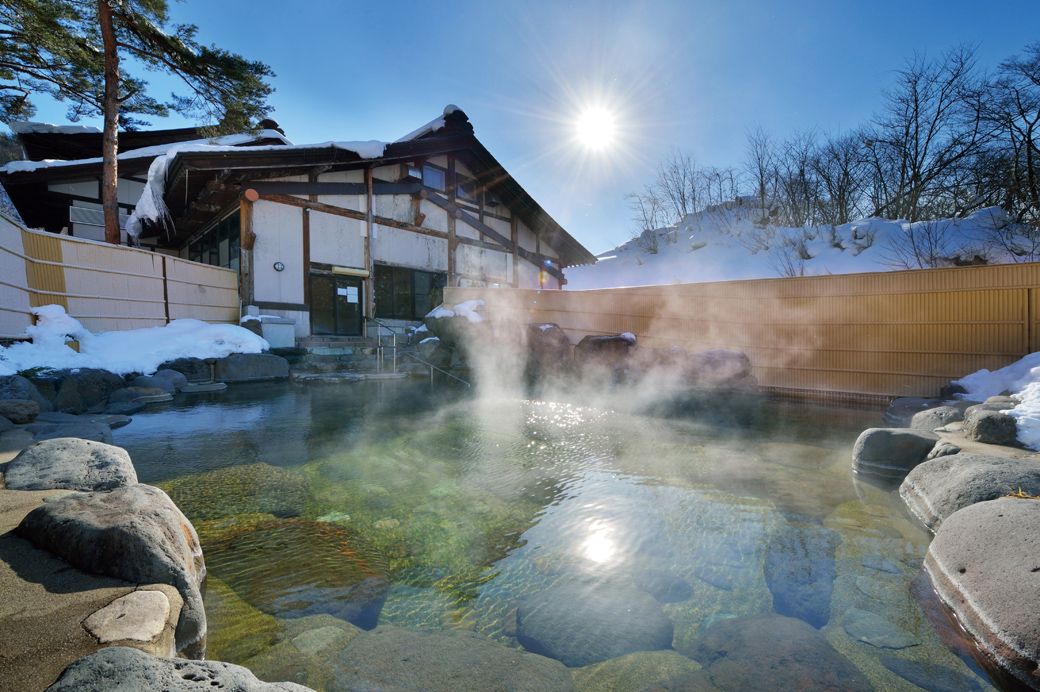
x: 25, y: 127
x: 437, y: 123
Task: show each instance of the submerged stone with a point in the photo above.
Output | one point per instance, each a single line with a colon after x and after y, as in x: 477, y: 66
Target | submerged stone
x: 742, y: 653
x: 663, y: 586
x: 930, y: 676
x: 888, y: 454
x: 800, y: 571
x: 294, y: 567
x: 580, y: 624
x: 241, y: 489
x: 873, y: 629
x: 633, y: 671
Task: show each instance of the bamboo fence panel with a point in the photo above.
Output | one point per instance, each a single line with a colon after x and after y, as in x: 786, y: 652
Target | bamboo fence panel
x: 880, y: 334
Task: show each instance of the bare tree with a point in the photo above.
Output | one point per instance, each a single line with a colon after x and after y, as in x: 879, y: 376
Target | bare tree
x: 760, y: 165
x: 839, y: 164
x: 648, y: 209
x: 677, y: 185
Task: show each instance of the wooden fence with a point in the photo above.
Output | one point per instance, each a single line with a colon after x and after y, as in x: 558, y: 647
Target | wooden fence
x: 876, y: 335
x: 106, y: 287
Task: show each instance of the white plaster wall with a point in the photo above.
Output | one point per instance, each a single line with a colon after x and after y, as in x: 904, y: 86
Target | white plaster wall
x: 407, y: 249
x: 478, y: 261
x: 83, y: 188
x: 337, y: 240
x: 130, y: 191
x: 279, y: 238
x: 526, y: 236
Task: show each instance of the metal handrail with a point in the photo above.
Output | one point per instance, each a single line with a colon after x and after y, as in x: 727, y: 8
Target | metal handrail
x: 379, y: 342
x: 433, y: 367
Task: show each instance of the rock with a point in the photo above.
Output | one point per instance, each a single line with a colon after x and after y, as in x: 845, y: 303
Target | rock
x: 140, y: 616
x: 718, y: 367
x: 124, y: 408
x: 400, y: 659
x: 294, y: 567
x: 111, y: 421
x: 740, y: 653
x: 240, y: 489
x: 930, y: 676
x: 1001, y: 402
x: 604, y: 351
x: 938, y: 488
x: 942, y: 448
x: 948, y: 391
x: 983, y: 565
x: 203, y: 387
x: 123, y: 668
x: 633, y: 671
x: 70, y: 463
x: 170, y: 381
x: 435, y: 352
x: 251, y: 367
x: 890, y: 453
x: 991, y: 427
x: 881, y: 564
x: 84, y: 430
x: 582, y: 624
x: 84, y: 389
x: 19, y: 411
x: 933, y: 418
x: 873, y: 629
x: 17, y: 387
x: 134, y: 533
x: 663, y: 586
x: 5, y: 425
x: 800, y: 571
x: 696, y: 681
x: 549, y: 350
x: 193, y: 369
x: 901, y: 411
x: 139, y: 395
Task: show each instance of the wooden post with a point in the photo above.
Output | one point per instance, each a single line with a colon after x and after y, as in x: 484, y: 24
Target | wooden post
x: 514, y: 232
x: 450, y: 184
x: 313, y: 177
x: 369, y: 281
x: 246, y: 239
x: 538, y: 253
x: 165, y: 290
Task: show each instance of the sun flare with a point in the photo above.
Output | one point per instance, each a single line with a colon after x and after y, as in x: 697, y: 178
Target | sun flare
x: 596, y: 128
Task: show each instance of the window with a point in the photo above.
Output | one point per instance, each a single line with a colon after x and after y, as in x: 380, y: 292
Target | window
x: 433, y: 177
x: 219, y: 245
x: 466, y: 189
x: 407, y: 294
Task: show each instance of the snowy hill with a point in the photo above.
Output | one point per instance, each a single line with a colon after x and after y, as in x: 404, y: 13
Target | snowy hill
x: 728, y: 242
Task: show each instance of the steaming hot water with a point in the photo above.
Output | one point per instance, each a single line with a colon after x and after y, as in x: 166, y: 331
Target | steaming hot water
x: 388, y: 503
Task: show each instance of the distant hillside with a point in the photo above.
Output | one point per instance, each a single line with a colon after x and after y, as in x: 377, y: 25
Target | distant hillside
x: 730, y: 241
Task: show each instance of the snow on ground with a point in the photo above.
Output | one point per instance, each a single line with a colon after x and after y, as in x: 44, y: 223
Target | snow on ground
x: 467, y: 309
x: 725, y: 242
x: 1022, y: 380
x: 122, y: 352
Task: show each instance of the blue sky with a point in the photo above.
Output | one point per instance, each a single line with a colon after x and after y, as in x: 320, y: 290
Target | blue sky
x: 695, y: 75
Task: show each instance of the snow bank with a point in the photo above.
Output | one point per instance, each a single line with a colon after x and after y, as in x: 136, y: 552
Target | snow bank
x: 122, y: 352
x: 467, y: 309
x: 727, y: 242
x: 1022, y: 379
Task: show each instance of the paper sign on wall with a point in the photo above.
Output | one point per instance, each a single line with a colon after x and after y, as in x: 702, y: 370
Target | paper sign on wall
x: 352, y: 294
x: 341, y: 291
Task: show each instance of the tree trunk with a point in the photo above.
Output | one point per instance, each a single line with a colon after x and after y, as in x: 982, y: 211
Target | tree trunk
x: 110, y: 140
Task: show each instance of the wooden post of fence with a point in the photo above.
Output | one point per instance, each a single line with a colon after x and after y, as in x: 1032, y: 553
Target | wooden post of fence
x: 165, y: 290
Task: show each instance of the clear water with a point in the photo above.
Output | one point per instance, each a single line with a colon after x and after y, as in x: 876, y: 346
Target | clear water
x: 332, y: 499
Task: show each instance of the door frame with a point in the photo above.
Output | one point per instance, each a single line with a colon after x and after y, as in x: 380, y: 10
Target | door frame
x: 349, y: 282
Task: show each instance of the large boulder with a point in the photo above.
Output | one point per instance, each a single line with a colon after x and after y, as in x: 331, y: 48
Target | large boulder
x: 889, y: 453
x: 991, y: 427
x: 718, y: 367
x: 938, y: 488
x: 70, y: 463
x: 800, y: 571
x: 240, y: 489
x: 457, y: 325
x: 123, y: 668
x: 580, y: 624
x: 19, y: 411
x: 145, y: 619
x: 139, y: 396
x: 549, y: 351
x: 901, y: 411
x: 84, y: 429
x: 134, y: 533
x: 85, y: 389
x: 983, y: 565
x: 435, y: 352
x: 610, y: 352
x: 293, y: 568
x: 937, y: 417
x: 741, y: 653
x: 399, y: 659
x: 17, y: 387
x: 193, y: 369
x: 170, y: 381
x: 251, y: 367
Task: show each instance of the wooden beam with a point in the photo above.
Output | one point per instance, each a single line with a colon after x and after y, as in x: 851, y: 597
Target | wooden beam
x: 450, y: 209
x: 514, y: 232
x: 312, y: 179
x: 352, y: 214
x: 246, y: 238
x: 369, y: 281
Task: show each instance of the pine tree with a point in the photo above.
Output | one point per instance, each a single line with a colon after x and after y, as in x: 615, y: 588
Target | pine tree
x: 72, y: 50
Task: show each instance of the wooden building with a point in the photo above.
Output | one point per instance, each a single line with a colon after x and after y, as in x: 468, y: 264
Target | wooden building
x: 326, y: 235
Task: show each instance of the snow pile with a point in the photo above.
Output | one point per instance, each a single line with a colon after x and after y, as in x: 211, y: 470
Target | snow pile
x: 26, y: 127
x: 467, y: 309
x: 728, y: 242
x: 122, y: 352
x: 1022, y: 380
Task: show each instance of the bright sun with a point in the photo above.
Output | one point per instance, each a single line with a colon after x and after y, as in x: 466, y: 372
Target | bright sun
x: 595, y: 128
